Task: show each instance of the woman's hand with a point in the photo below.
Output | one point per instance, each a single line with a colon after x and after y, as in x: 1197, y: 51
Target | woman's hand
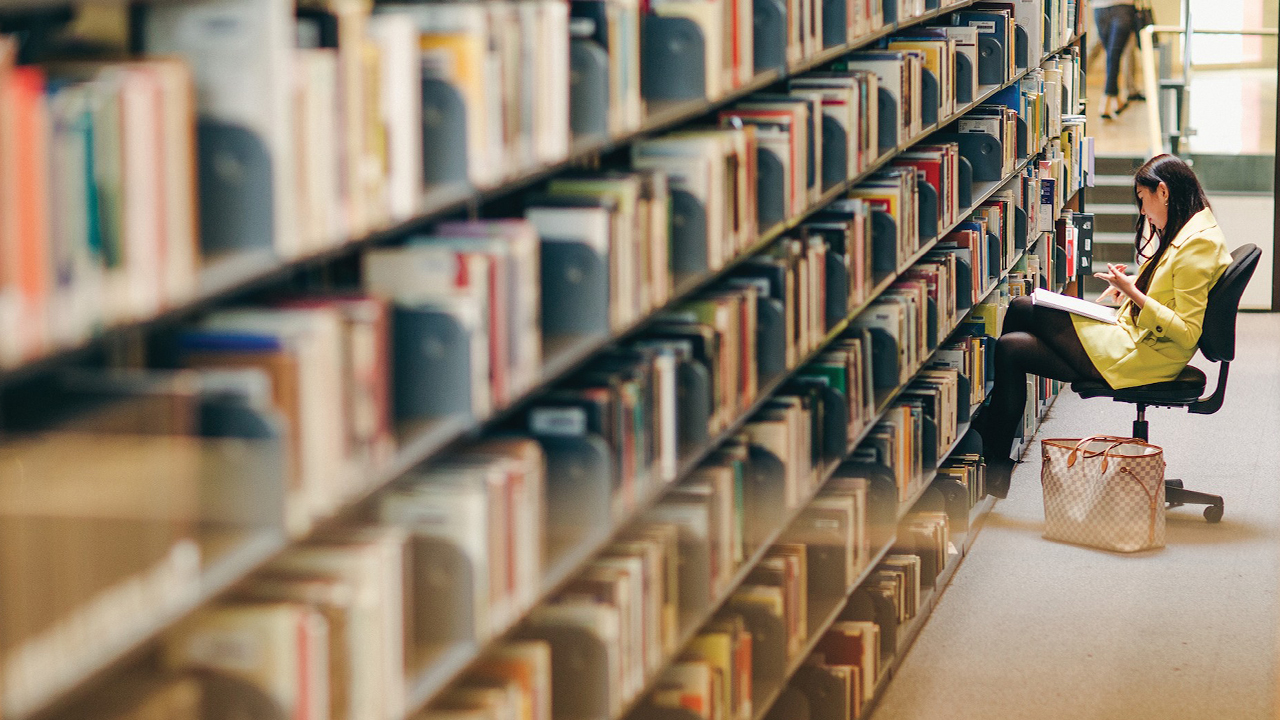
x: 1121, y: 284
x: 1110, y: 296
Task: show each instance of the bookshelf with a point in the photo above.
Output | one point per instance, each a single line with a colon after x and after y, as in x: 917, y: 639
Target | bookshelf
x: 430, y: 683
x: 243, y: 273
x: 246, y: 273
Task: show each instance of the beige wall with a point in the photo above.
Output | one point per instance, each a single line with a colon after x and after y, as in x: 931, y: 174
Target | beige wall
x: 1248, y: 219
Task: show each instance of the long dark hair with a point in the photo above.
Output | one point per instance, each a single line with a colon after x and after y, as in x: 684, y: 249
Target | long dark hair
x: 1186, y: 198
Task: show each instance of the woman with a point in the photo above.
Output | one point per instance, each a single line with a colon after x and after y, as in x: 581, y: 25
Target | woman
x: 1159, y: 318
x: 1116, y: 21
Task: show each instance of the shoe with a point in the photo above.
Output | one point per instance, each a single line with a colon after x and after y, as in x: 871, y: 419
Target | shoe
x: 1106, y: 116
x: 1123, y: 106
x: 1136, y: 97
x: 997, y: 481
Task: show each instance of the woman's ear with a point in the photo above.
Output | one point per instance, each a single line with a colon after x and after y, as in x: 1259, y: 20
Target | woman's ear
x: 1162, y: 193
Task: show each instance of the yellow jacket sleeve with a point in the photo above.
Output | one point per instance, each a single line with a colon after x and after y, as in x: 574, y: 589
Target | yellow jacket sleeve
x: 1194, y: 273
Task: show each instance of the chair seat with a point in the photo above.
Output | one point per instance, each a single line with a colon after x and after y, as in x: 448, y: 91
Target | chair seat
x: 1182, y: 390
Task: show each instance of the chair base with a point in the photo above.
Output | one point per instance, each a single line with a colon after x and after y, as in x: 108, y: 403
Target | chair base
x: 1176, y: 495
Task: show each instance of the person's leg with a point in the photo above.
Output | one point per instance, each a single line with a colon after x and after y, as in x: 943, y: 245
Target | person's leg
x: 1017, y: 354
x: 1126, y: 26
x: 1034, y: 340
x: 1054, y: 328
x: 1102, y: 19
x: 1109, y: 24
x: 1019, y: 316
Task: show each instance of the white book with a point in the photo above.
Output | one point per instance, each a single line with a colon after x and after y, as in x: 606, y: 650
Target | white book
x: 321, y: 221
x: 370, y: 560
x: 400, y: 96
x: 178, y: 181
x: 140, y: 97
x: 241, y: 53
x: 551, y: 87
x: 1075, y: 306
x: 454, y: 509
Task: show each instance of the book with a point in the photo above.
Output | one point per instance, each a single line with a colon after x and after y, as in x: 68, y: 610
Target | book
x: 238, y: 49
x: 1075, y: 306
x: 270, y: 660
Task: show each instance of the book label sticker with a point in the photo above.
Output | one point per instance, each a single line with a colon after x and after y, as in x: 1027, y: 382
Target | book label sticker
x: 560, y: 422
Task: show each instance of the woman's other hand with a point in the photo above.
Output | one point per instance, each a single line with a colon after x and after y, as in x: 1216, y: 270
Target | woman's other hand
x: 1112, y: 295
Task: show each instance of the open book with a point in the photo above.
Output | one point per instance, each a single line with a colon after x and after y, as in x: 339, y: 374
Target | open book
x: 1074, y: 305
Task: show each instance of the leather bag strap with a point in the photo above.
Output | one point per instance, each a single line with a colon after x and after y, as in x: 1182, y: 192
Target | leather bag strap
x: 1113, y: 441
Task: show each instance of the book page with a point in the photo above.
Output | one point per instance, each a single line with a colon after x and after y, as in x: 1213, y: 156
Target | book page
x: 1076, y: 306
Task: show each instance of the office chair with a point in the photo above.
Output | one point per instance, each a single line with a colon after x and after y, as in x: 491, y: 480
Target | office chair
x: 1217, y: 344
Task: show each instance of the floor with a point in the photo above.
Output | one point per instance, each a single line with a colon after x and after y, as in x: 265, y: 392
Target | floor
x: 1035, y: 629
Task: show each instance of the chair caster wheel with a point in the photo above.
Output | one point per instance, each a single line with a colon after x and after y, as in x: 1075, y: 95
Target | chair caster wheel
x: 1213, y: 513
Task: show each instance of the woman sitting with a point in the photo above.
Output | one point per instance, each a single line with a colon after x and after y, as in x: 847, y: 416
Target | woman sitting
x: 1159, y: 318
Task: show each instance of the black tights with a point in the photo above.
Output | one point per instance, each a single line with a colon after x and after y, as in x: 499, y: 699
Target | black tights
x: 1034, y: 340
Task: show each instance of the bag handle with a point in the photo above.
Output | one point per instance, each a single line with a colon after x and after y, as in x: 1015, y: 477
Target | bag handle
x: 1152, y: 497
x: 1113, y: 442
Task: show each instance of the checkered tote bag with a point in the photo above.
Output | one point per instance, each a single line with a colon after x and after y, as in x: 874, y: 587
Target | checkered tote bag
x: 1104, y: 491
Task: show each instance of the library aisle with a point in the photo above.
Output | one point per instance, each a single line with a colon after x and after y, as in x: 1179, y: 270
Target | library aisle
x: 1035, y: 629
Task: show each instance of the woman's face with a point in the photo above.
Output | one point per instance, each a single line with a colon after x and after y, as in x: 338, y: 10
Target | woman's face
x: 1154, y: 205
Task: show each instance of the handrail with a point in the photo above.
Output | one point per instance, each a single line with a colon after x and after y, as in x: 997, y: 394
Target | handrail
x: 1155, y: 136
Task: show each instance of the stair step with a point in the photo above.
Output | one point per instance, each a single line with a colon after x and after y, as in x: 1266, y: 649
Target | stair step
x: 1114, y: 224
x: 1112, y: 253
x: 1117, y: 164
x: 1110, y: 194
x: 1105, y: 208
x: 1100, y: 266
x: 1113, y: 238
x: 1093, y: 287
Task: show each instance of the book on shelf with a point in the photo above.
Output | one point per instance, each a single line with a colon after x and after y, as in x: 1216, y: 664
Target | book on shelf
x: 782, y: 130
x: 898, y: 74
x: 856, y: 92
x: 270, y: 660
x: 997, y: 25
x: 477, y: 529
x: 895, y: 192
x: 712, y: 189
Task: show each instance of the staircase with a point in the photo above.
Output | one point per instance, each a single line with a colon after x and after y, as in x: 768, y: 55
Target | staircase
x: 1114, y: 211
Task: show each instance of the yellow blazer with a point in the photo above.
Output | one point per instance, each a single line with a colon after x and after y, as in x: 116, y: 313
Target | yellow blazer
x: 1156, y: 346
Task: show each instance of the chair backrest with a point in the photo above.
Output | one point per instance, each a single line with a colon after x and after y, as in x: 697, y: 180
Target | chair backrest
x: 1218, y: 337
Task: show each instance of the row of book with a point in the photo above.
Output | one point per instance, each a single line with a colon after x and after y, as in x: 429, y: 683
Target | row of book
x: 290, y: 359
x: 138, y: 173
x: 266, y: 358
x: 1053, y: 264
x: 842, y: 676
x: 345, y: 152
x: 308, y: 637
x: 282, y: 364
x: 502, y: 477
x: 502, y: 487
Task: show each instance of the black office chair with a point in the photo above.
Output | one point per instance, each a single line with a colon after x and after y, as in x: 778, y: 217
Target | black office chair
x: 1217, y: 344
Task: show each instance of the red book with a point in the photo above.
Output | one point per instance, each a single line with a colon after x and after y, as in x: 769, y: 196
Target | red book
x: 27, y: 266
